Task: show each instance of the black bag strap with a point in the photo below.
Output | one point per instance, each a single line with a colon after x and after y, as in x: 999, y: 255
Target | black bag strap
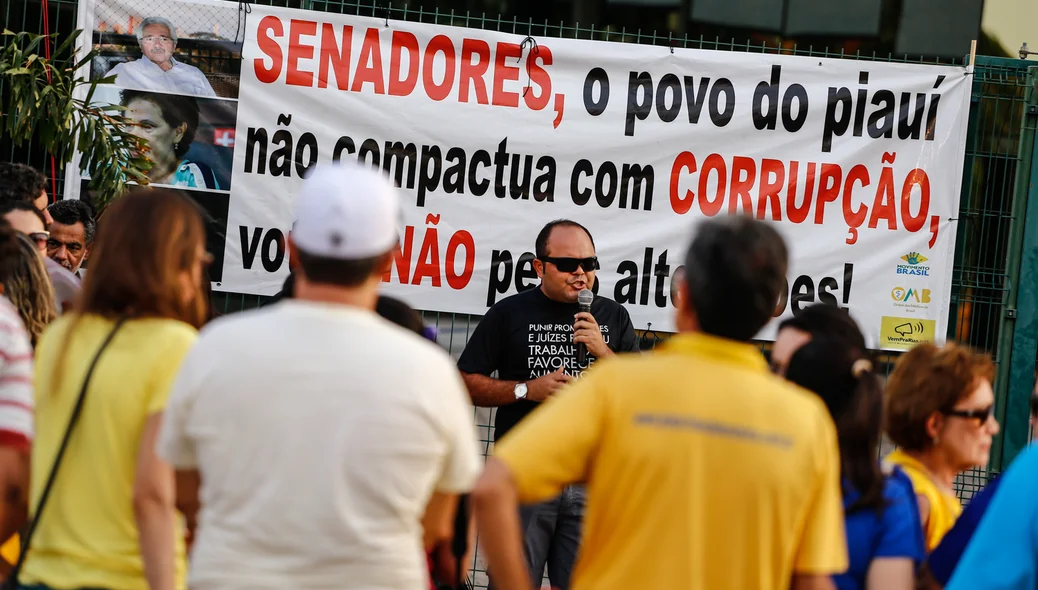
x: 12, y: 579
x: 460, y: 542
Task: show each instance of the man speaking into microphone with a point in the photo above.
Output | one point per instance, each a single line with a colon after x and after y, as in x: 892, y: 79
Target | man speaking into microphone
x: 533, y: 340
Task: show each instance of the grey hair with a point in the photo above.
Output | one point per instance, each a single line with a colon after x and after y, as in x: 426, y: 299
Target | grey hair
x: 157, y: 20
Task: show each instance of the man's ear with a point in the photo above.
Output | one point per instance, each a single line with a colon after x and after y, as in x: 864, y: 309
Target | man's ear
x: 385, y: 262
x: 293, y: 256
x: 538, y: 267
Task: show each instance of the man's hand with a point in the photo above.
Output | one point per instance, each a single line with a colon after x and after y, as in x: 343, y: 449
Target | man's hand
x: 545, y: 386
x: 587, y: 332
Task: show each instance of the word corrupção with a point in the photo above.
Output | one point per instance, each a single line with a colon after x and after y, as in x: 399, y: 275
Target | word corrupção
x: 757, y: 187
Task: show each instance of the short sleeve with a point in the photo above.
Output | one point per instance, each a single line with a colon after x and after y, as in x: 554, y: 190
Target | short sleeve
x: 178, y: 339
x: 823, y: 546
x: 549, y: 449
x: 174, y: 446
x: 628, y: 337
x: 482, y: 354
x: 463, y: 463
x: 900, y: 532
x: 1003, y: 553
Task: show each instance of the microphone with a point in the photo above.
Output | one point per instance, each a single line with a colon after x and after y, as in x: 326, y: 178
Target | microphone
x: 584, y: 299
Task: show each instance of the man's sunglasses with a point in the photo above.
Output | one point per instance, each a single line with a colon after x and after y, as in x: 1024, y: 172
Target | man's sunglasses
x: 981, y: 415
x: 570, y: 264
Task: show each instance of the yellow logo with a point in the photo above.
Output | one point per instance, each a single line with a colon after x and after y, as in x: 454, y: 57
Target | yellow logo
x: 904, y: 333
x: 910, y: 296
x: 914, y: 258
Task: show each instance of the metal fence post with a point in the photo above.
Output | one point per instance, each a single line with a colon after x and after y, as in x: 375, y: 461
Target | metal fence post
x: 1018, y: 367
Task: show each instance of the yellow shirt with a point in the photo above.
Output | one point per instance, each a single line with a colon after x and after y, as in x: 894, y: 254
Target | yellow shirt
x: 87, y: 535
x: 10, y: 549
x: 703, y: 470
x: 945, y: 508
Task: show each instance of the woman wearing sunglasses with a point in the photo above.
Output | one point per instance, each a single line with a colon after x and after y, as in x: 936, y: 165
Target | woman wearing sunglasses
x: 940, y: 415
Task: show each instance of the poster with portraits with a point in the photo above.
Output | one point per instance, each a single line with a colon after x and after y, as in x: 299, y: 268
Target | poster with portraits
x: 174, y: 66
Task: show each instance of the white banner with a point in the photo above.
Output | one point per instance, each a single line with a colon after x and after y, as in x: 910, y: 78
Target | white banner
x: 491, y: 135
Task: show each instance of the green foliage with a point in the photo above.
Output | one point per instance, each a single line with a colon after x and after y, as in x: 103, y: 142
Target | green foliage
x: 45, y: 102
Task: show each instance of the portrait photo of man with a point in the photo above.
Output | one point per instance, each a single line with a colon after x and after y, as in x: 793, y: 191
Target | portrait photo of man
x: 157, y: 69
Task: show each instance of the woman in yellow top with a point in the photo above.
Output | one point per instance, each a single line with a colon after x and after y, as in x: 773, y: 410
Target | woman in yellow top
x: 110, y: 521
x: 940, y: 414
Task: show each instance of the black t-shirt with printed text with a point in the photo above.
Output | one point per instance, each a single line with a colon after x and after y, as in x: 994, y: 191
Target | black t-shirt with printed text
x: 529, y: 335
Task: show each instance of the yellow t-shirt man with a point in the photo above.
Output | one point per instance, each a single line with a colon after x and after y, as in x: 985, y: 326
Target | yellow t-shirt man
x: 703, y: 470
x: 87, y: 535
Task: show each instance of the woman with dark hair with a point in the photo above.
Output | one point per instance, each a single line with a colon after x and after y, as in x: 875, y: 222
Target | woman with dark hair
x: 169, y: 123
x: 884, y: 539
x: 110, y: 520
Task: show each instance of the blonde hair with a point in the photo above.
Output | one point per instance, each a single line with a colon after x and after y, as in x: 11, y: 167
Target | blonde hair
x: 27, y: 285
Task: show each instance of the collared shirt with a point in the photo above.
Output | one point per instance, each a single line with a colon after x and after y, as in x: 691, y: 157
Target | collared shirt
x: 143, y: 74
x: 66, y: 284
x: 698, y: 462
x: 194, y: 175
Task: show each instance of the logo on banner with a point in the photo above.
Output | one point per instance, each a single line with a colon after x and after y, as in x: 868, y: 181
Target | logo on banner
x: 224, y: 137
x: 917, y: 298
x: 904, y: 333
x: 914, y: 265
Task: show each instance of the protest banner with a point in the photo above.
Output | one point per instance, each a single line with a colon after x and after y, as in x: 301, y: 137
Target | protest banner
x: 491, y: 135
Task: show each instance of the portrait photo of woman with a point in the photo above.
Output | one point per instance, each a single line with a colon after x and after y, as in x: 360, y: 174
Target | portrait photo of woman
x: 190, y: 141
x: 169, y: 123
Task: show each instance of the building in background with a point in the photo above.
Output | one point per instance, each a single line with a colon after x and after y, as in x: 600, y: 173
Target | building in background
x: 919, y: 29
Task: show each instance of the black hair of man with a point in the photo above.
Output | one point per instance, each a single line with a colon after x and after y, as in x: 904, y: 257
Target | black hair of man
x: 829, y: 321
x: 400, y: 313
x: 8, y: 206
x: 735, y: 271
x: 336, y: 271
x: 19, y: 182
x: 540, y: 246
x: 72, y: 211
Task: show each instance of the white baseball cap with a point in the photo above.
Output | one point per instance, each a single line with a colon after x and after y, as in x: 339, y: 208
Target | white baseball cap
x: 347, y: 212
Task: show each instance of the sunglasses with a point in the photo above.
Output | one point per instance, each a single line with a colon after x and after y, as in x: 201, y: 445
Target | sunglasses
x: 981, y: 415
x: 571, y: 264
x: 39, y: 238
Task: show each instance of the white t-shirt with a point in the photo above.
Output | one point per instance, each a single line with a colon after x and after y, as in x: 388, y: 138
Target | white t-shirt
x: 320, y: 432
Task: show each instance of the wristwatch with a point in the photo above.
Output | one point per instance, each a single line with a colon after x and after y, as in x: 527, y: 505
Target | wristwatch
x: 520, y: 390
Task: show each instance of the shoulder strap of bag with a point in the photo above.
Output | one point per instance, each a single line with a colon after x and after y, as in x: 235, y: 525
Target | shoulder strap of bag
x: 12, y: 578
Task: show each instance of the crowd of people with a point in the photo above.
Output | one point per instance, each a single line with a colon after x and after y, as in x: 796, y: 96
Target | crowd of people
x: 326, y: 440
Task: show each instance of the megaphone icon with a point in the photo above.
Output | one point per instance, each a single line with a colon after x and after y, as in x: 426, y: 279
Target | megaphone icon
x: 908, y: 328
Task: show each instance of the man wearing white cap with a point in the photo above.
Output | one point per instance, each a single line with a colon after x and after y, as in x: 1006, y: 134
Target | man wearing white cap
x: 330, y: 444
